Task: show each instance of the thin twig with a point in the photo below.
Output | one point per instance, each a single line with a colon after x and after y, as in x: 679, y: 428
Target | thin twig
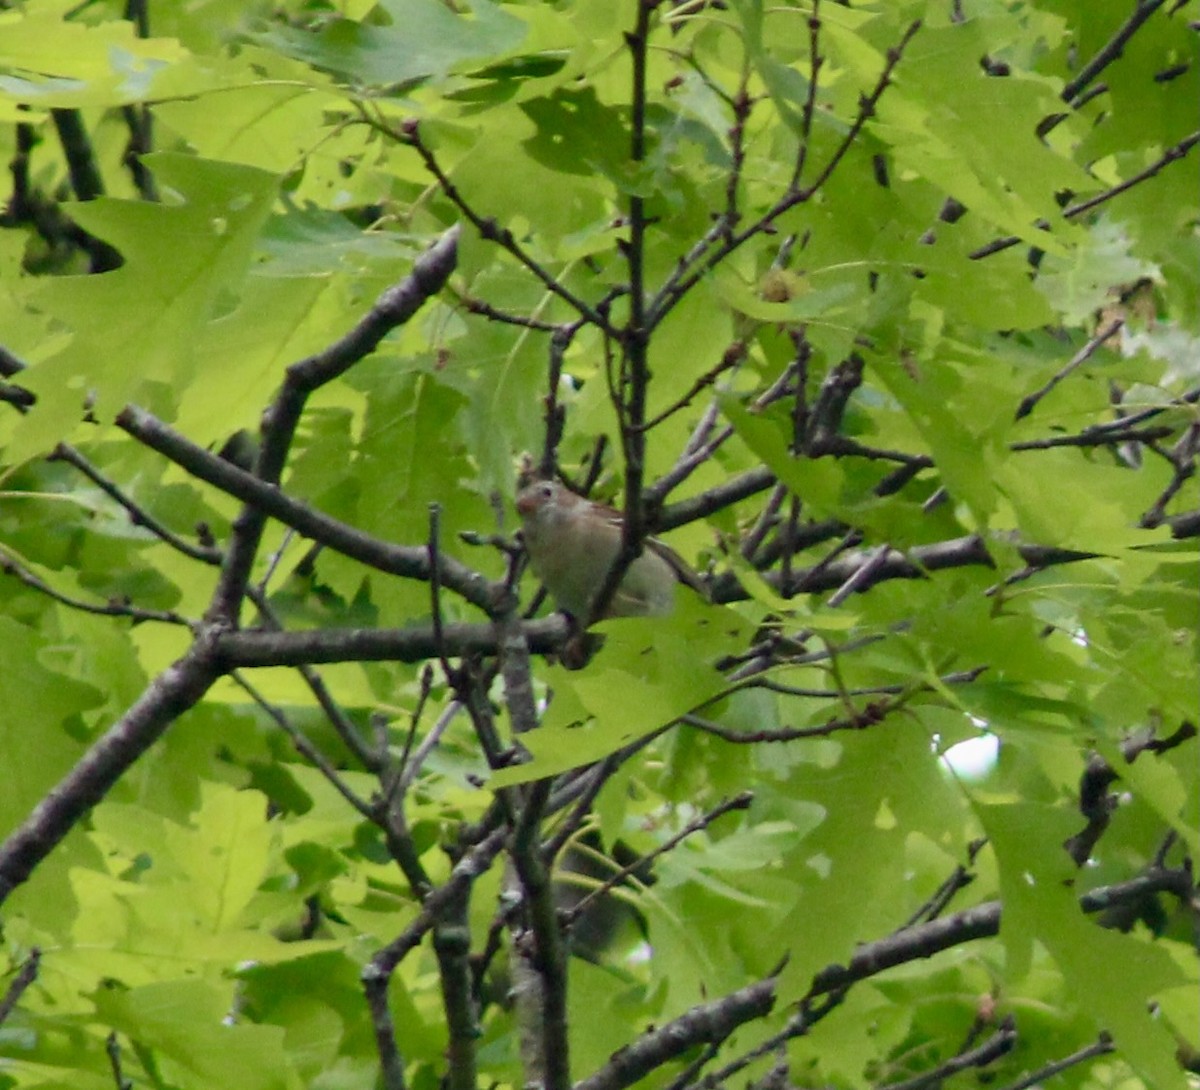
x: 959, y: 879
x: 410, y: 134
x: 1100, y: 1047
x: 27, y: 975
x: 1082, y: 356
x: 597, y: 776
x: 730, y: 359
x: 115, y: 607
x: 872, y: 714
x: 688, y: 1075
x: 1091, y: 437
x: 305, y: 747
x: 1182, y: 459
x: 555, y: 415
x: 862, y: 576
x: 1000, y: 1043
x: 435, y: 593
x: 740, y: 801
x: 959, y: 677
x: 402, y: 778
x: 138, y: 515
x: 797, y: 1025
x: 494, y: 314
x: 742, y: 104
x: 113, y: 1048
x: 703, y: 445
x: 808, y: 111
x: 341, y: 723
x: 1173, y: 153
x: 767, y: 520
x: 274, y: 560
x: 667, y: 299
x: 1111, y: 49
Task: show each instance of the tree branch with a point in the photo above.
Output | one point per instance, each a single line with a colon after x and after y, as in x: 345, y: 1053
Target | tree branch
x: 392, y: 309
x: 269, y: 499
x: 706, y: 1023
x: 740, y: 801
x: 165, y: 699
x: 1112, y: 49
x: 1000, y: 1043
x: 715, y: 1020
x: 668, y: 297
x: 1100, y: 1047
x: 1177, y: 151
x: 27, y: 975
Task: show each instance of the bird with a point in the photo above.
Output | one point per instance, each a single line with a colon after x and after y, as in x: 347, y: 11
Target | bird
x: 572, y: 543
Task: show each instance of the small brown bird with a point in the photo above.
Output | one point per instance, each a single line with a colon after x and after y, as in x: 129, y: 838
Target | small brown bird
x: 572, y: 543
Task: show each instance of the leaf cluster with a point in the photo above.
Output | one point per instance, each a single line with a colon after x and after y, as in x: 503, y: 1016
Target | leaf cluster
x: 882, y: 314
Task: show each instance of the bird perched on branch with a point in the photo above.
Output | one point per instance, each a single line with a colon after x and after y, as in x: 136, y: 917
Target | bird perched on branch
x: 572, y: 543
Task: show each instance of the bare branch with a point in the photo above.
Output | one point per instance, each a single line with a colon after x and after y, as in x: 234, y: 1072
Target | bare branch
x: 1100, y: 1047
x: 705, y: 1023
x: 1082, y: 356
x: 740, y: 801
x: 1173, y: 153
x: 1000, y: 1043
x: 391, y: 1061
x: 27, y: 975
x: 305, y: 747
x: 407, y: 561
x: 113, y: 608
x: 1111, y: 49
x: 138, y: 515
x: 452, y: 945
x: 392, y: 309
x: 165, y: 699
x: 547, y: 955
x: 416, y: 644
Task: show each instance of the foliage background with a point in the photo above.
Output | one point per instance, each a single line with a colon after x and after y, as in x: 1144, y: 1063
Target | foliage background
x: 917, y: 344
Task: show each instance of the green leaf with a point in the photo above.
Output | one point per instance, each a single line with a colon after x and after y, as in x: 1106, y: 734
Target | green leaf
x: 1118, y: 974
x: 649, y: 672
x: 43, y: 703
x: 184, y: 1021
x: 141, y: 323
x: 425, y: 39
x: 50, y: 60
